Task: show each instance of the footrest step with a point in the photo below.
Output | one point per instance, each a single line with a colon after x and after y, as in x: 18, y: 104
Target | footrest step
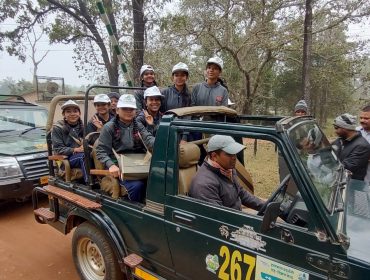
x: 45, y: 214
x: 132, y: 260
x: 72, y: 197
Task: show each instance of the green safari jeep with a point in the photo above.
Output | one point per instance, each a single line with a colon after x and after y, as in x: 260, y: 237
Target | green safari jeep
x: 315, y: 223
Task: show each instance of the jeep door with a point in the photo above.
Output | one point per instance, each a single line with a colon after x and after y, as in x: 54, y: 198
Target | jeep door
x: 209, y: 241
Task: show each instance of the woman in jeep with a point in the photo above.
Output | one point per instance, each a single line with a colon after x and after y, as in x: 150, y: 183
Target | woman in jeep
x: 67, y: 136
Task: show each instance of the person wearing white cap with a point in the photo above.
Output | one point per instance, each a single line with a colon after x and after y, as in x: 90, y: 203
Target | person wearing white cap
x: 210, y: 92
x: 216, y: 180
x: 122, y: 135
x: 351, y: 148
x: 148, y: 120
x: 177, y: 95
x: 147, y: 77
x: 102, y: 116
x: 67, y: 136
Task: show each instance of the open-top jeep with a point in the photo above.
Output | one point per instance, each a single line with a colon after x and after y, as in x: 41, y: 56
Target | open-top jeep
x: 314, y: 225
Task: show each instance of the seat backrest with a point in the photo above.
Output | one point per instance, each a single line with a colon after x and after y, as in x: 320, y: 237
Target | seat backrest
x: 244, y: 177
x: 189, y: 155
x: 97, y: 163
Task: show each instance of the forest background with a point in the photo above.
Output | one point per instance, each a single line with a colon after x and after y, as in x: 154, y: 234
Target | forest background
x: 275, y: 52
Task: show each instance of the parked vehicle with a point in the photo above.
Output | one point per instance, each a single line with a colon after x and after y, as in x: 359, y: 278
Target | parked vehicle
x: 314, y: 225
x: 23, y: 155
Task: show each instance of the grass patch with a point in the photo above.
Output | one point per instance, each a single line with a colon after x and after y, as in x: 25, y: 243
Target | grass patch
x: 263, y: 167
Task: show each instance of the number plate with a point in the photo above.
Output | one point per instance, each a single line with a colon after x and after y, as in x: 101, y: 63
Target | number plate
x: 44, y: 180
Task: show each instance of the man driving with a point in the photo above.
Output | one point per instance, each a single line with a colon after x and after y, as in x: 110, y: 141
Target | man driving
x: 216, y: 180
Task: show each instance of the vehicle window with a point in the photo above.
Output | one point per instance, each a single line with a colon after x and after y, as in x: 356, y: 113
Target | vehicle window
x: 20, y: 119
x: 317, y: 157
x: 260, y: 170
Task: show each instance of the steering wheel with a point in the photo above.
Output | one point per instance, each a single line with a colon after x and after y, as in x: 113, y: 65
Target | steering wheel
x: 281, y: 189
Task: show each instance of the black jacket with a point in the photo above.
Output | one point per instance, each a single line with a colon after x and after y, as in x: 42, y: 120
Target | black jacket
x: 212, y: 186
x: 63, y: 137
x: 354, y: 155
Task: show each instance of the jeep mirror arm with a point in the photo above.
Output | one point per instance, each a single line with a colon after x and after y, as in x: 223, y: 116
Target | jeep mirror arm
x: 271, y: 214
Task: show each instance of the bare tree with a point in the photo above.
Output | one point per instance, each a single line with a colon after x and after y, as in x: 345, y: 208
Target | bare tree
x: 33, y: 40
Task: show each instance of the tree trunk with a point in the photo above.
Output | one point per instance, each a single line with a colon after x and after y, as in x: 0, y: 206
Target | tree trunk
x: 247, y: 104
x: 139, y: 28
x: 307, y: 44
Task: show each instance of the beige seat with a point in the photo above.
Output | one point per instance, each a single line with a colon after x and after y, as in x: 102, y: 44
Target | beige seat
x: 64, y: 170
x: 189, y: 155
x: 244, y: 177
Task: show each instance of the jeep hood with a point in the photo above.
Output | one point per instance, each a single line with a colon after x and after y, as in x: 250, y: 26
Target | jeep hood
x: 13, y: 145
x: 357, y: 214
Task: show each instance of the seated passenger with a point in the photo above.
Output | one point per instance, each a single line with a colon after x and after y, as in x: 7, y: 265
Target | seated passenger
x: 122, y: 135
x: 67, y: 134
x: 148, y: 120
x: 113, y: 96
x: 216, y: 180
x: 102, y: 115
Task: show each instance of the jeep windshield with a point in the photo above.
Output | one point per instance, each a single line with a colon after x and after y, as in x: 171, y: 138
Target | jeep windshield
x: 22, y: 119
x: 318, y: 158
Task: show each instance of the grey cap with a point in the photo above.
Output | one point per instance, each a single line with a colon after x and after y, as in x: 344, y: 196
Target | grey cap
x: 346, y: 121
x: 113, y: 95
x: 224, y: 143
x: 301, y: 105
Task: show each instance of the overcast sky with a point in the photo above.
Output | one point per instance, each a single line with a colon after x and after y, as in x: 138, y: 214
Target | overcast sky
x: 59, y: 62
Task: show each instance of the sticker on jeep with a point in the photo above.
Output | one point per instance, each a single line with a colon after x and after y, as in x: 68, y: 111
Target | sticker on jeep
x: 268, y: 269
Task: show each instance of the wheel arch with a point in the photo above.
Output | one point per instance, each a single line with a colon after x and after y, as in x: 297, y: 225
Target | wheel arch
x: 98, y: 218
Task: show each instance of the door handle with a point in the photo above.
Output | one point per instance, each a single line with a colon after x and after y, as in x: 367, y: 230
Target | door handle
x: 183, y: 218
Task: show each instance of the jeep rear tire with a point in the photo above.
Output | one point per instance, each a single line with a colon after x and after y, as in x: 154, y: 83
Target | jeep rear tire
x: 93, y: 255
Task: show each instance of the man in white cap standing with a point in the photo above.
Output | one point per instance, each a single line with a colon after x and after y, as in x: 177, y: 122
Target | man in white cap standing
x: 210, y: 92
x: 67, y: 136
x: 102, y: 116
x: 147, y: 76
x: 148, y: 119
x: 216, y: 180
x: 177, y: 95
x: 122, y: 135
x: 352, y: 149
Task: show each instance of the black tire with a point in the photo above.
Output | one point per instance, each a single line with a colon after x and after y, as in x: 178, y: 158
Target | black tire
x: 93, y: 256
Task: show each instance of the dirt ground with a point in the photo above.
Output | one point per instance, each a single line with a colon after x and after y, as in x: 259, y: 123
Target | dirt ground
x: 32, y: 251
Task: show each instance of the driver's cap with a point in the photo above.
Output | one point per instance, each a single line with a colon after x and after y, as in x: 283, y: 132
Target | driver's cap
x: 225, y: 143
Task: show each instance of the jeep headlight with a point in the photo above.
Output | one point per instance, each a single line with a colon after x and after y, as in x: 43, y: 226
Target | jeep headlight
x: 9, y: 168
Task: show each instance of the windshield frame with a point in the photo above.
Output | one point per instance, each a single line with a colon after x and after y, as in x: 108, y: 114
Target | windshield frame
x: 333, y: 218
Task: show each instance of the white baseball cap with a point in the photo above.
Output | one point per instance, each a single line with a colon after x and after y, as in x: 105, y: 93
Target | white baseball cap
x: 146, y: 67
x: 180, y: 67
x: 127, y: 101
x: 70, y: 103
x: 101, y: 98
x: 152, y: 91
x: 225, y: 143
x: 216, y: 60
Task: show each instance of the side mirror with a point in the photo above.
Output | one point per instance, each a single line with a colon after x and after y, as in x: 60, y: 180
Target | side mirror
x: 271, y: 214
